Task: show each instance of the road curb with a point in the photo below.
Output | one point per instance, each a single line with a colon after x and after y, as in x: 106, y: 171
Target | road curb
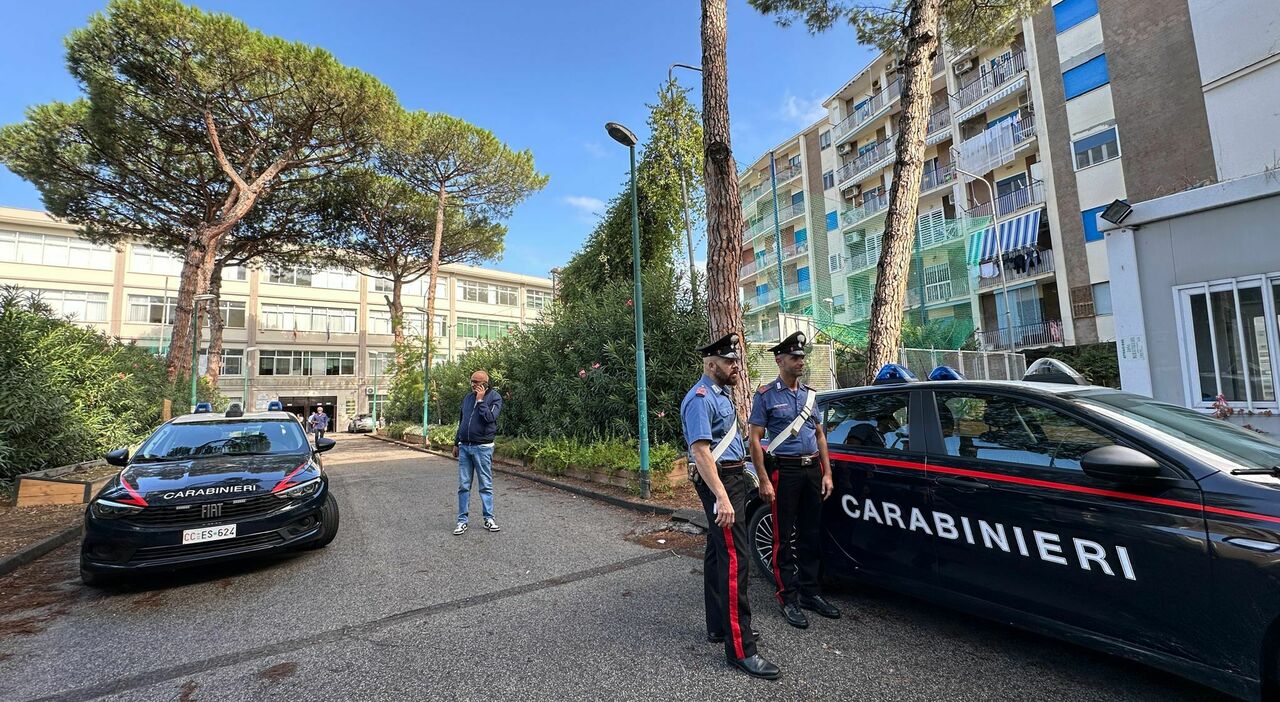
x: 503, y: 467
x: 12, y: 562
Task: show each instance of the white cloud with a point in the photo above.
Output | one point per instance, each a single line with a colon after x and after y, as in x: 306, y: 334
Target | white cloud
x: 802, y: 112
x: 587, y: 205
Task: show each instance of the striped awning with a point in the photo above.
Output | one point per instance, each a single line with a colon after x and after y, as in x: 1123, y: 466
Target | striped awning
x: 1015, y: 233
x: 993, y: 98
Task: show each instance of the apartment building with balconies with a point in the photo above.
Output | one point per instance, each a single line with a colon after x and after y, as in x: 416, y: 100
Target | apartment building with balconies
x: 307, y: 337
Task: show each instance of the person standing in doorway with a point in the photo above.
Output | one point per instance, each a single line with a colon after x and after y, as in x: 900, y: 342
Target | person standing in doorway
x: 473, y: 447
x: 319, y: 422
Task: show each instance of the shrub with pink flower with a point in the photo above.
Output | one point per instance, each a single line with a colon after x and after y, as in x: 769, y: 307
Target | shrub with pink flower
x: 582, y: 373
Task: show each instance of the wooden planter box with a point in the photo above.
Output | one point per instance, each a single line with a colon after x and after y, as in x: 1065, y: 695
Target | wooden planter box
x: 52, y: 487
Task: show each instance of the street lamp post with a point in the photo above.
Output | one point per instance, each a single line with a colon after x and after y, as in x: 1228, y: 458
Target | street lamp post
x: 995, y: 230
x: 195, y: 342
x: 835, y: 379
x: 627, y: 138
x: 426, y: 366
x: 377, y: 372
x: 244, y: 401
x: 684, y: 187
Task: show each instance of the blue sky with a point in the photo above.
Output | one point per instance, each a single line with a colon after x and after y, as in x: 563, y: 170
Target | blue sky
x: 542, y: 75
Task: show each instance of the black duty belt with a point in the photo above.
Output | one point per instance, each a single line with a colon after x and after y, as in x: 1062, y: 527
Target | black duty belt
x: 730, y: 467
x: 796, y: 461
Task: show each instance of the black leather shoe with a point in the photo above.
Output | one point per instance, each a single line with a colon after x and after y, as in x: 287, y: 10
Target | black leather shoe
x: 821, y: 606
x: 719, y: 638
x: 794, y: 616
x: 756, y: 667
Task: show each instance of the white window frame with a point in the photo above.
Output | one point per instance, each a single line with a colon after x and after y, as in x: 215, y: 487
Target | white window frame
x: 58, y: 300
x: 1268, y: 282
x: 153, y: 261
x: 1075, y: 160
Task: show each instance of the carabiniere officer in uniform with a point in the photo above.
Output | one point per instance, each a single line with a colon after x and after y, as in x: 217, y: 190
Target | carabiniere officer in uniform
x: 715, y: 444
x: 800, y: 471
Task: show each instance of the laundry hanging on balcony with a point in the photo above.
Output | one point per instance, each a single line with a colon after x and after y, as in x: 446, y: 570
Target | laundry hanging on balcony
x: 1016, y: 233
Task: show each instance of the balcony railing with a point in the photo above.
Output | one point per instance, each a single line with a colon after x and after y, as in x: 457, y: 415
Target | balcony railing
x: 799, y: 248
x: 1014, y: 270
x: 1012, y: 201
x: 995, y: 146
x: 991, y: 76
x: 868, y: 110
x: 937, y: 177
x: 870, y: 207
x: 938, y: 121
x: 854, y: 170
x: 766, y: 222
x: 770, y: 334
x: 1025, y: 335
x: 941, y: 291
x: 750, y: 196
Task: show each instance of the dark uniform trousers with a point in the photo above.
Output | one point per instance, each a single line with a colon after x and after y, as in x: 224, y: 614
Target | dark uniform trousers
x: 797, y: 507
x: 726, y: 568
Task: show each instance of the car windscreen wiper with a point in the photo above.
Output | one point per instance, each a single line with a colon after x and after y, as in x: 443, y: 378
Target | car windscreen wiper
x: 1273, y: 470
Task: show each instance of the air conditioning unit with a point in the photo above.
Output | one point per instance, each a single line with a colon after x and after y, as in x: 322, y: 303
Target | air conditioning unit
x: 368, y: 390
x: 895, y: 65
x: 844, y: 148
x: 965, y: 66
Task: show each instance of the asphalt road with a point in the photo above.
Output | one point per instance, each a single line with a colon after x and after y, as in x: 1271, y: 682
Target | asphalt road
x: 559, y: 605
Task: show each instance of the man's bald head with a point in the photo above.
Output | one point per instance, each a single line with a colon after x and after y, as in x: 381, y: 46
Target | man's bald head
x: 480, y: 377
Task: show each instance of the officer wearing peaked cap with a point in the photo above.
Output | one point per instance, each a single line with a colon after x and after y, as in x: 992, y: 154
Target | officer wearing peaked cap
x: 715, y: 446
x: 799, y: 479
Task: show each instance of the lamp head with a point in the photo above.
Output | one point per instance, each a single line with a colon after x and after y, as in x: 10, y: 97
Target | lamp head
x: 621, y: 134
x: 1117, y: 211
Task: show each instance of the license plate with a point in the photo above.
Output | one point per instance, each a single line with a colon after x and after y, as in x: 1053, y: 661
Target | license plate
x: 195, y: 536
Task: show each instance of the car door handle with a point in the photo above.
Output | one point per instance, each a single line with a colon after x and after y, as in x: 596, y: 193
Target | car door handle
x: 1253, y: 544
x: 968, y: 484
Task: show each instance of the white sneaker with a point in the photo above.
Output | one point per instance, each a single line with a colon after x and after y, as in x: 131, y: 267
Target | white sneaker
x: 491, y: 525
x: 460, y: 529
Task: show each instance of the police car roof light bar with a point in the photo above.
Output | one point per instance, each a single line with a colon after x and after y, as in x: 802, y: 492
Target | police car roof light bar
x: 275, y: 406
x: 203, y: 407
x: 945, y: 373
x: 893, y: 374
x: 1051, y: 370
x: 235, y: 410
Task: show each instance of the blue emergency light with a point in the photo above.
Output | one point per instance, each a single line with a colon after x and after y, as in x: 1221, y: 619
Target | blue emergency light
x: 945, y: 373
x: 275, y: 406
x: 203, y: 407
x: 893, y: 374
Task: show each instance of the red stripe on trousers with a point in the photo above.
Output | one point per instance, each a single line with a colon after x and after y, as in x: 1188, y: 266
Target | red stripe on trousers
x: 734, y: 629
x: 777, y: 539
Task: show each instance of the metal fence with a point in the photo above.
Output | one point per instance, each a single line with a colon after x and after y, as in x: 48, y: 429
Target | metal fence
x: 974, y: 365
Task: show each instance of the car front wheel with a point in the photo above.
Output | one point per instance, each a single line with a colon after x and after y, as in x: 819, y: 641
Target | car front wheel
x: 328, y: 523
x: 760, y: 532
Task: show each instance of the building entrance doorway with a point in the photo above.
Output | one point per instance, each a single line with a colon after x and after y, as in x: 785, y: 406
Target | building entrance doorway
x: 304, y: 406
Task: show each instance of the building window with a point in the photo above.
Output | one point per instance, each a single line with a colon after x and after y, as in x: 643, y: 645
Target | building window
x: 794, y: 162
x: 232, y: 362
x: 53, y: 250
x: 271, y: 362
x: 1227, y: 330
x: 235, y: 273
x: 1096, y: 148
x: 308, y: 319
x: 80, y: 306
x: 474, y: 328
x: 835, y: 262
x: 1102, y: 298
x: 508, y: 296
x: 381, y: 362
x: 151, y: 309
x: 824, y: 140
x: 537, y: 299
x: 144, y: 260
x: 1069, y: 13
x: 416, y: 288
x: 837, y: 304
x: 1090, y: 75
x: 471, y: 291
x: 332, y: 279
x: 1090, y: 217
x: 233, y: 316
x: 828, y: 180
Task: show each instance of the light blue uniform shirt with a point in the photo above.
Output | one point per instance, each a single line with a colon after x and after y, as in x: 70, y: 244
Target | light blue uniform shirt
x: 775, y: 406
x: 706, y: 413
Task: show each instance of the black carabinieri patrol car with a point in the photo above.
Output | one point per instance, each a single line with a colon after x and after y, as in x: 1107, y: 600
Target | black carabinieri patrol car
x: 1135, y: 527
x: 208, y: 487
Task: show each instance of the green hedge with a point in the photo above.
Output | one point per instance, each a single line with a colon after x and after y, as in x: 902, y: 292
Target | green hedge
x: 69, y: 393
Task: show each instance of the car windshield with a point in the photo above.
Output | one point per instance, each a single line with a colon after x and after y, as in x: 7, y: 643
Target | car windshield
x: 227, y: 438
x: 1248, y: 448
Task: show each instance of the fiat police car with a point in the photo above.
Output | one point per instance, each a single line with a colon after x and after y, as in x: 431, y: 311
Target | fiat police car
x: 207, y: 487
x: 1105, y: 518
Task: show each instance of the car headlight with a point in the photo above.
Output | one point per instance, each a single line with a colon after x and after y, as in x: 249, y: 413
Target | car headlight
x: 306, y: 489
x: 106, y: 509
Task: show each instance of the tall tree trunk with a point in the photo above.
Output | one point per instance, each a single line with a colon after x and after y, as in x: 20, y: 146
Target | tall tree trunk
x: 189, y: 285
x: 885, y: 329
x: 720, y: 180
x: 397, y: 315
x: 429, y: 322
x: 216, y: 325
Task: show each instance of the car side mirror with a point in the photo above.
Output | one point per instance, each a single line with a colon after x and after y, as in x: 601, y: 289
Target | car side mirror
x: 323, y: 445
x: 1119, y: 463
x: 118, y: 457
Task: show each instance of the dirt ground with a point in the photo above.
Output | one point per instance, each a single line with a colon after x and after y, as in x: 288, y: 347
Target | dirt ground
x: 23, y: 526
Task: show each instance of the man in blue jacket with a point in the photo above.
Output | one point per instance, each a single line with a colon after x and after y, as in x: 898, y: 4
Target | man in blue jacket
x: 473, y: 447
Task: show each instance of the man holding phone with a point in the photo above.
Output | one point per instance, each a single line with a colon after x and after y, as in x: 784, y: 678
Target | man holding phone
x: 473, y: 447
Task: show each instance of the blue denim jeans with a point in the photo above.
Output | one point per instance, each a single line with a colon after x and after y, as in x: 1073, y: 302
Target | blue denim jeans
x: 475, y: 460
